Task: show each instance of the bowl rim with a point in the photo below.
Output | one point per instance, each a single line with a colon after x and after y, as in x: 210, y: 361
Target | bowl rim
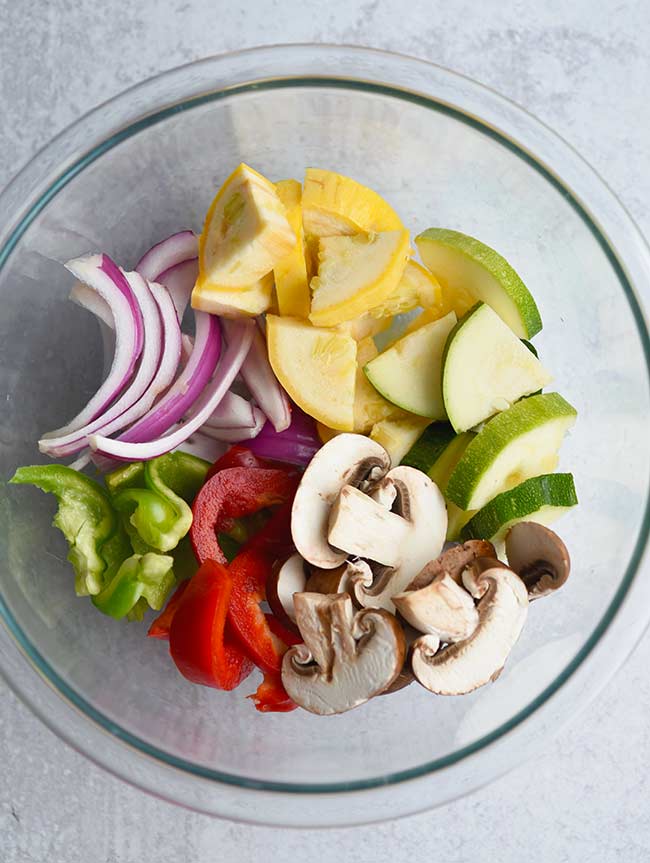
x: 293, y: 52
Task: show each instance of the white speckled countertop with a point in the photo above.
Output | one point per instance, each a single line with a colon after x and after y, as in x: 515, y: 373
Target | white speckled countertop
x: 583, y: 70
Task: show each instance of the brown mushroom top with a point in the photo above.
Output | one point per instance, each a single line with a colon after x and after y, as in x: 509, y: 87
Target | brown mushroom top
x: 453, y: 562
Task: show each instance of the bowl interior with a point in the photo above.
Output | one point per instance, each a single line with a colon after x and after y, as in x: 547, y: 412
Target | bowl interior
x: 438, y: 168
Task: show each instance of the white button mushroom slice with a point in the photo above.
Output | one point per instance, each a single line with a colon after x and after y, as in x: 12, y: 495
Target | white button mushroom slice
x: 286, y: 578
x: 347, y: 459
x: 340, y: 580
x: 346, y: 659
x: 453, y: 561
x: 360, y: 526
x: 419, y: 503
x: 471, y: 575
x: 538, y: 556
x: 462, y: 667
x: 442, y: 608
x: 384, y: 493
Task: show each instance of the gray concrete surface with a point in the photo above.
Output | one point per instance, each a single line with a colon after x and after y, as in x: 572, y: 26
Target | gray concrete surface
x: 581, y: 66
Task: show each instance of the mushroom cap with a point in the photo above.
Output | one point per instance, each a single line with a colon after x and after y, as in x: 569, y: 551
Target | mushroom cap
x: 419, y: 501
x: 538, y: 556
x: 339, y: 580
x: 347, y: 459
x: 442, y: 608
x: 453, y: 561
x: 286, y: 578
x: 346, y: 659
x: 462, y: 667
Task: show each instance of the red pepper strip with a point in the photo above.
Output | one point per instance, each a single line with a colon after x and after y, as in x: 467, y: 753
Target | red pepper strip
x: 198, y: 642
x: 271, y: 696
x: 232, y: 493
x: 281, y: 631
x: 236, y: 456
x: 250, y: 571
x: 161, y: 625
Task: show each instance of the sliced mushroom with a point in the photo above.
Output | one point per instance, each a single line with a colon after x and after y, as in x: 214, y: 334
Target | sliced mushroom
x: 339, y: 580
x: 471, y: 575
x: 362, y: 527
x: 442, y: 608
x: 416, y: 537
x: 286, y: 578
x: 346, y: 659
x: 453, y: 561
x: 538, y: 556
x: 347, y: 459
x: 466, y: 665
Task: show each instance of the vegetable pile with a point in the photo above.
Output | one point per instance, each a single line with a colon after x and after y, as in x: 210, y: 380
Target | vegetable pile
x: 290, y: 497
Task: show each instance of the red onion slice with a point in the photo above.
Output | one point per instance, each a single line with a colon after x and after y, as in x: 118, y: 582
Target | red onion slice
x: 119, y: 414
x: 262, y: 383
x: 168, y: 253
x: 179, y: 281
x: 235, y: 411
x: 101, y: 274
x: 89, y: 299
x: 187, y: 387
x: 236, y: 433
x: 298, y: 444
x: 241, y: 337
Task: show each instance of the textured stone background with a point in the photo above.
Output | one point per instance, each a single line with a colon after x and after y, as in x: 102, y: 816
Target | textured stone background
x: 581, y: 66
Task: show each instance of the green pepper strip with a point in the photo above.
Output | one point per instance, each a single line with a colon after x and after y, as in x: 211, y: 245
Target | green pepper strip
x: 154, y: 497
x: 85, y: 517
x: 140, y: 580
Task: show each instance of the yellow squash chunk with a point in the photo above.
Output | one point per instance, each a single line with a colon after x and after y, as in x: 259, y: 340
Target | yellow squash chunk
x: 369, y: 406
x: 356, y: 274
x: 316, y: 367
x: 291, y: 282
x: 246, y: 232
x: 235, y: 302
x: 417, y: 287
x: 398, y: 434
x: 365, y: 327
x: 334, y: 205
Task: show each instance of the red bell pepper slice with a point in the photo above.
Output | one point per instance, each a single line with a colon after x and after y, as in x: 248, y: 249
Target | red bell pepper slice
x: 271, y: 696
x: 236, y: 456
x: 198, y: 641
x: 281, y: 632
x: 161, y: 625
x: 233, y: 493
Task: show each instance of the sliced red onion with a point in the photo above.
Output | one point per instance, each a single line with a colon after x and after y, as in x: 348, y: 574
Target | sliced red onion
x: 101, y: 274
x: 262, y: 383
x: 203, y: 447
x: 241, y: 337
x: 119, y: 414
x: 187, y: 387
x: 235, y: 412
x: 187, y: 345
x: 168, y: 253
x: 90, y: 300
x: 236, y: 433
x: 179, y: 281
x: 297, y: 444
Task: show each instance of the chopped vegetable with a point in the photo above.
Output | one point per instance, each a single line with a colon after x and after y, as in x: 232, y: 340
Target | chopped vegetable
x: 85, y: 517
x: 147, y: 577
x: 291, y: 280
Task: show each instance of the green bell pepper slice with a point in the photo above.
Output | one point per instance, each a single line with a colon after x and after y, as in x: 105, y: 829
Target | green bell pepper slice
x: 97, y: 541
x: 155, y: 496
x: 141, y: 580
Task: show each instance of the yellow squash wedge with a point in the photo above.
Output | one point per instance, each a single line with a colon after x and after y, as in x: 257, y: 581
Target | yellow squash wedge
x: 356, y: 274
x: 333, y: 205
x: 291, y: 280
x: 398, y: 434
x: 235, y: 302
x: 317, y: 367
x: 417, y: 287
x: 246, y: 232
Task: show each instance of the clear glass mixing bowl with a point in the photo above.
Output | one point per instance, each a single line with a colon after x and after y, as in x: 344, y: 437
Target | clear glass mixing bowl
x: 444, y: 151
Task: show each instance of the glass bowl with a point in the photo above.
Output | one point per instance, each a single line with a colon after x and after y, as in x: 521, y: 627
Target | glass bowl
x: 444, y: 151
